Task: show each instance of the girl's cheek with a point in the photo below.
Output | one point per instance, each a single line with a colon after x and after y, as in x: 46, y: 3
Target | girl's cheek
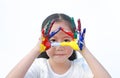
x: 50, y: 51
x: 69, y: 50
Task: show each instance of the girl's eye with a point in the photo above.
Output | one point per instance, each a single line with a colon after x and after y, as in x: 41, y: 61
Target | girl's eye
x: 67, y: 40
x: 52, y: 40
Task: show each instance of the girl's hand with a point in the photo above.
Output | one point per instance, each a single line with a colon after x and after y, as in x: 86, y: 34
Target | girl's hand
x: 45, y: 44
x: 81, y: 43
x: 37, y: 46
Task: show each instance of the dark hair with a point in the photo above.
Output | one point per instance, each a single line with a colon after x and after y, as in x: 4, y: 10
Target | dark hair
x: 58, y: 17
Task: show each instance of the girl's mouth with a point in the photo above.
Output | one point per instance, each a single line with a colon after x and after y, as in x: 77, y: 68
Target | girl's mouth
x: 59, y: 54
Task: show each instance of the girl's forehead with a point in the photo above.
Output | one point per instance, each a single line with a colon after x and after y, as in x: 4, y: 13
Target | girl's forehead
x: 64, y: 25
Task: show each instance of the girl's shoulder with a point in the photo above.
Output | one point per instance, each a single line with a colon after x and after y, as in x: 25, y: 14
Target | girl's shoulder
x: 37, y: 67
x: 40, y: 61
x: 79, y: 61
x: 80, y: 64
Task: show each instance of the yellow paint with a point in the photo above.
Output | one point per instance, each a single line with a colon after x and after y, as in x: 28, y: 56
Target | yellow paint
x: 42, y: 48
x: 72, y: 44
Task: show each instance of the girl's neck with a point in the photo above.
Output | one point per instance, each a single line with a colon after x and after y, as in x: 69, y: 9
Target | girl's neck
x: 60, y: 68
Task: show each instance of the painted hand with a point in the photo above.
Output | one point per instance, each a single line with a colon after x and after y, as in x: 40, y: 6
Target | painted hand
x: 45, y: 44
x: 81, y: 39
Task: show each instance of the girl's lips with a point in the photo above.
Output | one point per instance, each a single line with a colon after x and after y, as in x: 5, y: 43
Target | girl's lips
x: 59, y: 54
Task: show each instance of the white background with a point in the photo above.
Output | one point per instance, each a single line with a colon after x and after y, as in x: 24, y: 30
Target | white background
x: 20, y: 23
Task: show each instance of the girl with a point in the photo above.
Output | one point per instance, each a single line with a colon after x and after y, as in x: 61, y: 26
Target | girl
x: 58, y: 61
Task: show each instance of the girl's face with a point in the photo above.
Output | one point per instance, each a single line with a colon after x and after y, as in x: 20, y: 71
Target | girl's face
x: 60, y: 53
